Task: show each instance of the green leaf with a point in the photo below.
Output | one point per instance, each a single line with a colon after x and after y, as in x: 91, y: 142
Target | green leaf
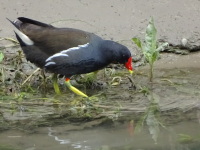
x: 154, y: 56
x: 1, y: 56
x: 148, y: 56
x: 137, y: 41
x: 150, y: 37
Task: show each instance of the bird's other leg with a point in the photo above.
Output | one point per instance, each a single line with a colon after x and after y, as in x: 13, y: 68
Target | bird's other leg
x: 55, y: 84
x: 88, y: 78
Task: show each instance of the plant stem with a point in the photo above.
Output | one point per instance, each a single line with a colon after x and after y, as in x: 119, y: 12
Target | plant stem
x: 151, y: 72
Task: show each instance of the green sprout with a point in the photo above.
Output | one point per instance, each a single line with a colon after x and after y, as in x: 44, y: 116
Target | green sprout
x: 149, y: 47
x: 184, y: 138
x: 1, y: 56
x: 2, y: 74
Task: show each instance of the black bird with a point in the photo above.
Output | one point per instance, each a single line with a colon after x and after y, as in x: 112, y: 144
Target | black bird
x: 68, y: 51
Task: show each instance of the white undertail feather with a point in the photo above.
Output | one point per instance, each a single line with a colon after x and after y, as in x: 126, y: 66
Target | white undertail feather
x: 24, y: 37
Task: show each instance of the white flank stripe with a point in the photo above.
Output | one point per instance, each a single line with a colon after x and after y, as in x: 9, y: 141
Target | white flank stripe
x: 75, y: 48
x: 64, y: 52
x: 56, y: 55
x: 24, y: 37
x: 50, y: 63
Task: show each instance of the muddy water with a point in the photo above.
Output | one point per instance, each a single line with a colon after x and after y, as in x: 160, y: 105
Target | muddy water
x: 102, y: 138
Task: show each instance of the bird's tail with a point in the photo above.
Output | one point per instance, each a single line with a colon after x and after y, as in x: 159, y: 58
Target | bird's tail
x: 17, y: 23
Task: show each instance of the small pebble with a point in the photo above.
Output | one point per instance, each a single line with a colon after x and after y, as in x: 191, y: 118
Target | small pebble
x: 184, y: 42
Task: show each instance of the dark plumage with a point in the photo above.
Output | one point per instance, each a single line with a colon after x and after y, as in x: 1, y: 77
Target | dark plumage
x: 67, y: 51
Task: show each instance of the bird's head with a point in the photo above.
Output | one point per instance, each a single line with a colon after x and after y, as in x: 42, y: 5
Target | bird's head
x: 126, y: 59
x: 119, y: 53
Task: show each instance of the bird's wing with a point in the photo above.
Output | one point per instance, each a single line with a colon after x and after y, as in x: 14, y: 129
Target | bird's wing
x: 76, y: 60
x: 47, y: 38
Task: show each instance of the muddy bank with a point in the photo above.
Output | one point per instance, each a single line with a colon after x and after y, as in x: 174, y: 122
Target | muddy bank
x: 116, y: 95
x: 174, y: 96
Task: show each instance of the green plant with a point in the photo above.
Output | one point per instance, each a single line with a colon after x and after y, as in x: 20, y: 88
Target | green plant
x: 1, y: 67
x: 184, y: 138
x: 1, y: 56
x: 149, y: 47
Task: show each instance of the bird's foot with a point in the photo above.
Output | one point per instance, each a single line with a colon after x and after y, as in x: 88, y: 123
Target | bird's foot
x: 73, y: 89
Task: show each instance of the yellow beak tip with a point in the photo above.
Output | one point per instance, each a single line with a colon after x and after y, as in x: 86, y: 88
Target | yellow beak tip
x: 130, y: 71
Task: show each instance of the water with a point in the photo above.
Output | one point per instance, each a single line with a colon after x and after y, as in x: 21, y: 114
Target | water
x: 115, y: 137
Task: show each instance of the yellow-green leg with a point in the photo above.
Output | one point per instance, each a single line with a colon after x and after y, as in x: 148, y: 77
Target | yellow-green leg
x: 55, y: 84
x: 44, y: 79
x: 73, y: 89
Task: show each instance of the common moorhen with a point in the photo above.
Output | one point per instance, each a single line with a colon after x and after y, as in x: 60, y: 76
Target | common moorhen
x: 68, y: 51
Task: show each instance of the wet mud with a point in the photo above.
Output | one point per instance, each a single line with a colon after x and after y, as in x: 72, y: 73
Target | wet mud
x: 175, y: 91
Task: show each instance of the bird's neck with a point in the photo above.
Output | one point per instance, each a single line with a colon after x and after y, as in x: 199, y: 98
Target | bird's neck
x: 109, y: 50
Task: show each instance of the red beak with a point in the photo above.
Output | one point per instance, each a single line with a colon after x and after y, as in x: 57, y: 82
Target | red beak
x: 128, y: 65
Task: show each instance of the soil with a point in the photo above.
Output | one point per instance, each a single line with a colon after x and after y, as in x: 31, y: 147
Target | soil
x: 176, y: 84
x: 119, y: 20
